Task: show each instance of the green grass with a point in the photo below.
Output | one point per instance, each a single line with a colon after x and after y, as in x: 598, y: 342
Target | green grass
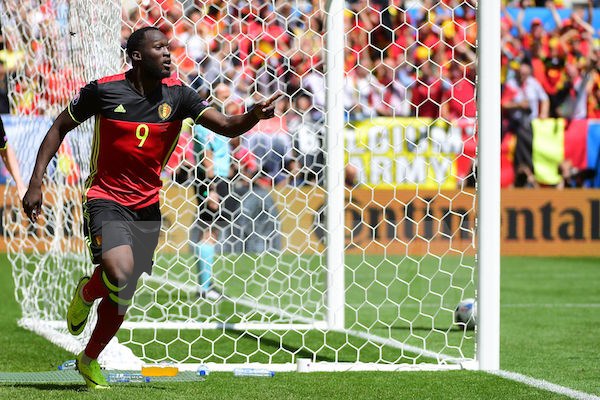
x: 556, y: 336
x: 392, y: 298
x: 546, y: 334
x: 349, y: 385
x: 410, y: 300
x: 21, y: 349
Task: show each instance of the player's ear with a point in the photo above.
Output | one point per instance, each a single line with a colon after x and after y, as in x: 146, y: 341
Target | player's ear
x: 136, y: 55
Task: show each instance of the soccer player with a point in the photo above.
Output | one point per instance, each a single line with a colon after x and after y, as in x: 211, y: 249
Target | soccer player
x: 10, y: 160
x: 138, y: 118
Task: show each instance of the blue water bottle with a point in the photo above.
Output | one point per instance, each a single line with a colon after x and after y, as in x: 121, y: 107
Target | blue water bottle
x: 67, y: 365
x: 127, y: 377
x: 253, y: 372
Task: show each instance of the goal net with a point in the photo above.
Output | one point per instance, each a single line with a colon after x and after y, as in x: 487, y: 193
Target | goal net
x: 342, y: 230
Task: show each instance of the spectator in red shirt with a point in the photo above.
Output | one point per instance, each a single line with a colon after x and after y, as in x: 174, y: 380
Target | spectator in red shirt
x: 427, y: 91
x: 461, y: 94
x: 538, y: 34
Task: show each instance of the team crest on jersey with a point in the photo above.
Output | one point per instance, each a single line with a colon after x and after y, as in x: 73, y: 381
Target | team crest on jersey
x: 164, y: 111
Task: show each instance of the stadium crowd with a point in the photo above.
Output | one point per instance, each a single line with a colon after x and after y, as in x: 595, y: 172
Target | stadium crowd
x: 402, y: 60
x: 399, y: 63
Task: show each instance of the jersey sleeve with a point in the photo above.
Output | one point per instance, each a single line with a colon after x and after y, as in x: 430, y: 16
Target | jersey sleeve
x: 3, y: 139
x: 85, y: 104
x: 193, y: 105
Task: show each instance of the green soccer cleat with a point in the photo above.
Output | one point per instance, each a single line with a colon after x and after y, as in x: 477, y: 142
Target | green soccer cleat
x: 78, y: 311
x: 91, y: 373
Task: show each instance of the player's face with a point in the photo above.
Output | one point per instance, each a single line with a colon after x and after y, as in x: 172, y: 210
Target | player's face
x: 156, y: 58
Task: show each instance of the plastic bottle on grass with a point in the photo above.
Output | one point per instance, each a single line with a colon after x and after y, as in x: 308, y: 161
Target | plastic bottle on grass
x: 163, y: 369
x: 253, y: 372
x: 127, y: 377
x: 67, y: 365
x: 202, y: 371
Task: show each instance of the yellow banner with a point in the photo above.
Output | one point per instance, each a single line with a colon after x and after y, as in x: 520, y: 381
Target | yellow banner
x: 548, y: 149
x: 404, y: 153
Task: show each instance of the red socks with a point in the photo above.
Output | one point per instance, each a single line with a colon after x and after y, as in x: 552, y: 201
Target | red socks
x: 95, y: 288
x: 109, y: 321
x: 110, y: 314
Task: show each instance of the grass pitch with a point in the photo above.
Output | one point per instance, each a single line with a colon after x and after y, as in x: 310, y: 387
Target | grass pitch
x: 550, y: 317
x: 403, y: 299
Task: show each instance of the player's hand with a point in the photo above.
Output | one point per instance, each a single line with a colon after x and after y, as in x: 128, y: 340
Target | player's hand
x: 22, y: 189
x: 32, y: 202
x: 266, y: 109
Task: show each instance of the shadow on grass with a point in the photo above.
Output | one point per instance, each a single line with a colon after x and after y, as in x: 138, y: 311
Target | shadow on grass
x: 299, y: 352
x: 76, y: 387
x: 80, y: 387
x: 399, y: 328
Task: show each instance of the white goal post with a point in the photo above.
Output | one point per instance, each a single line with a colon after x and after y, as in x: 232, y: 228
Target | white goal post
x: 488, y: 109
x: 355, y: 258
x: 335, y: 163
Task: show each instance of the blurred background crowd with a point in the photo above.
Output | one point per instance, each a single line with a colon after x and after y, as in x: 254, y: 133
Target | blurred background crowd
x: 403, y: 59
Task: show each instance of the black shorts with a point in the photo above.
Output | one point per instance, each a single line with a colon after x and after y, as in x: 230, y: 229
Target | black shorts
x: 108, y: 224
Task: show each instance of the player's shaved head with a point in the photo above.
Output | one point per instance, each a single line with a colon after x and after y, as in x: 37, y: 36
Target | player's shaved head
x: 136, y: 39
x: 148, y: 49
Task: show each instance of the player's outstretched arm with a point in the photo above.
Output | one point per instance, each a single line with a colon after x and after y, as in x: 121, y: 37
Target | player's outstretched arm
x: 235, y: 125
x: 10, y: 160
x: 32, y: 202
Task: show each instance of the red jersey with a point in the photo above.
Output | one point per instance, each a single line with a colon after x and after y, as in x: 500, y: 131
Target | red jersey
x: 427, y: 98
x: 134, y: 135
x: 462, y: 99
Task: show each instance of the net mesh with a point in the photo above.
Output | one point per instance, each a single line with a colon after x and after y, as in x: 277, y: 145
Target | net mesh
x: 409, y: 179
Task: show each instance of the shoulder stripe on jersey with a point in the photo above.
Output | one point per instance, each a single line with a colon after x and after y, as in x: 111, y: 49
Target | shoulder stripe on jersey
x: 172, y: 81
x: 171, y: 150
x: 71, y: 114
x: 111, y: 78
x: 199, y: 115
x: 93, y: 158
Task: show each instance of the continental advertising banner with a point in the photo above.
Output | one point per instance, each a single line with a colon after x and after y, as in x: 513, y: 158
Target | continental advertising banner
x: 408, y: 152
x: 402, y: 223
x: 535, y: 222
x: 550, y: 222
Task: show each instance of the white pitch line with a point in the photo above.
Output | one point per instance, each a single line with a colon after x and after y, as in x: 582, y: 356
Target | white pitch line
x: 545, y: 385
x: 552, y: 305
x: 451, y: 307
x: 527, y: 380
x: 253, y: 304
x: 399, y: 345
